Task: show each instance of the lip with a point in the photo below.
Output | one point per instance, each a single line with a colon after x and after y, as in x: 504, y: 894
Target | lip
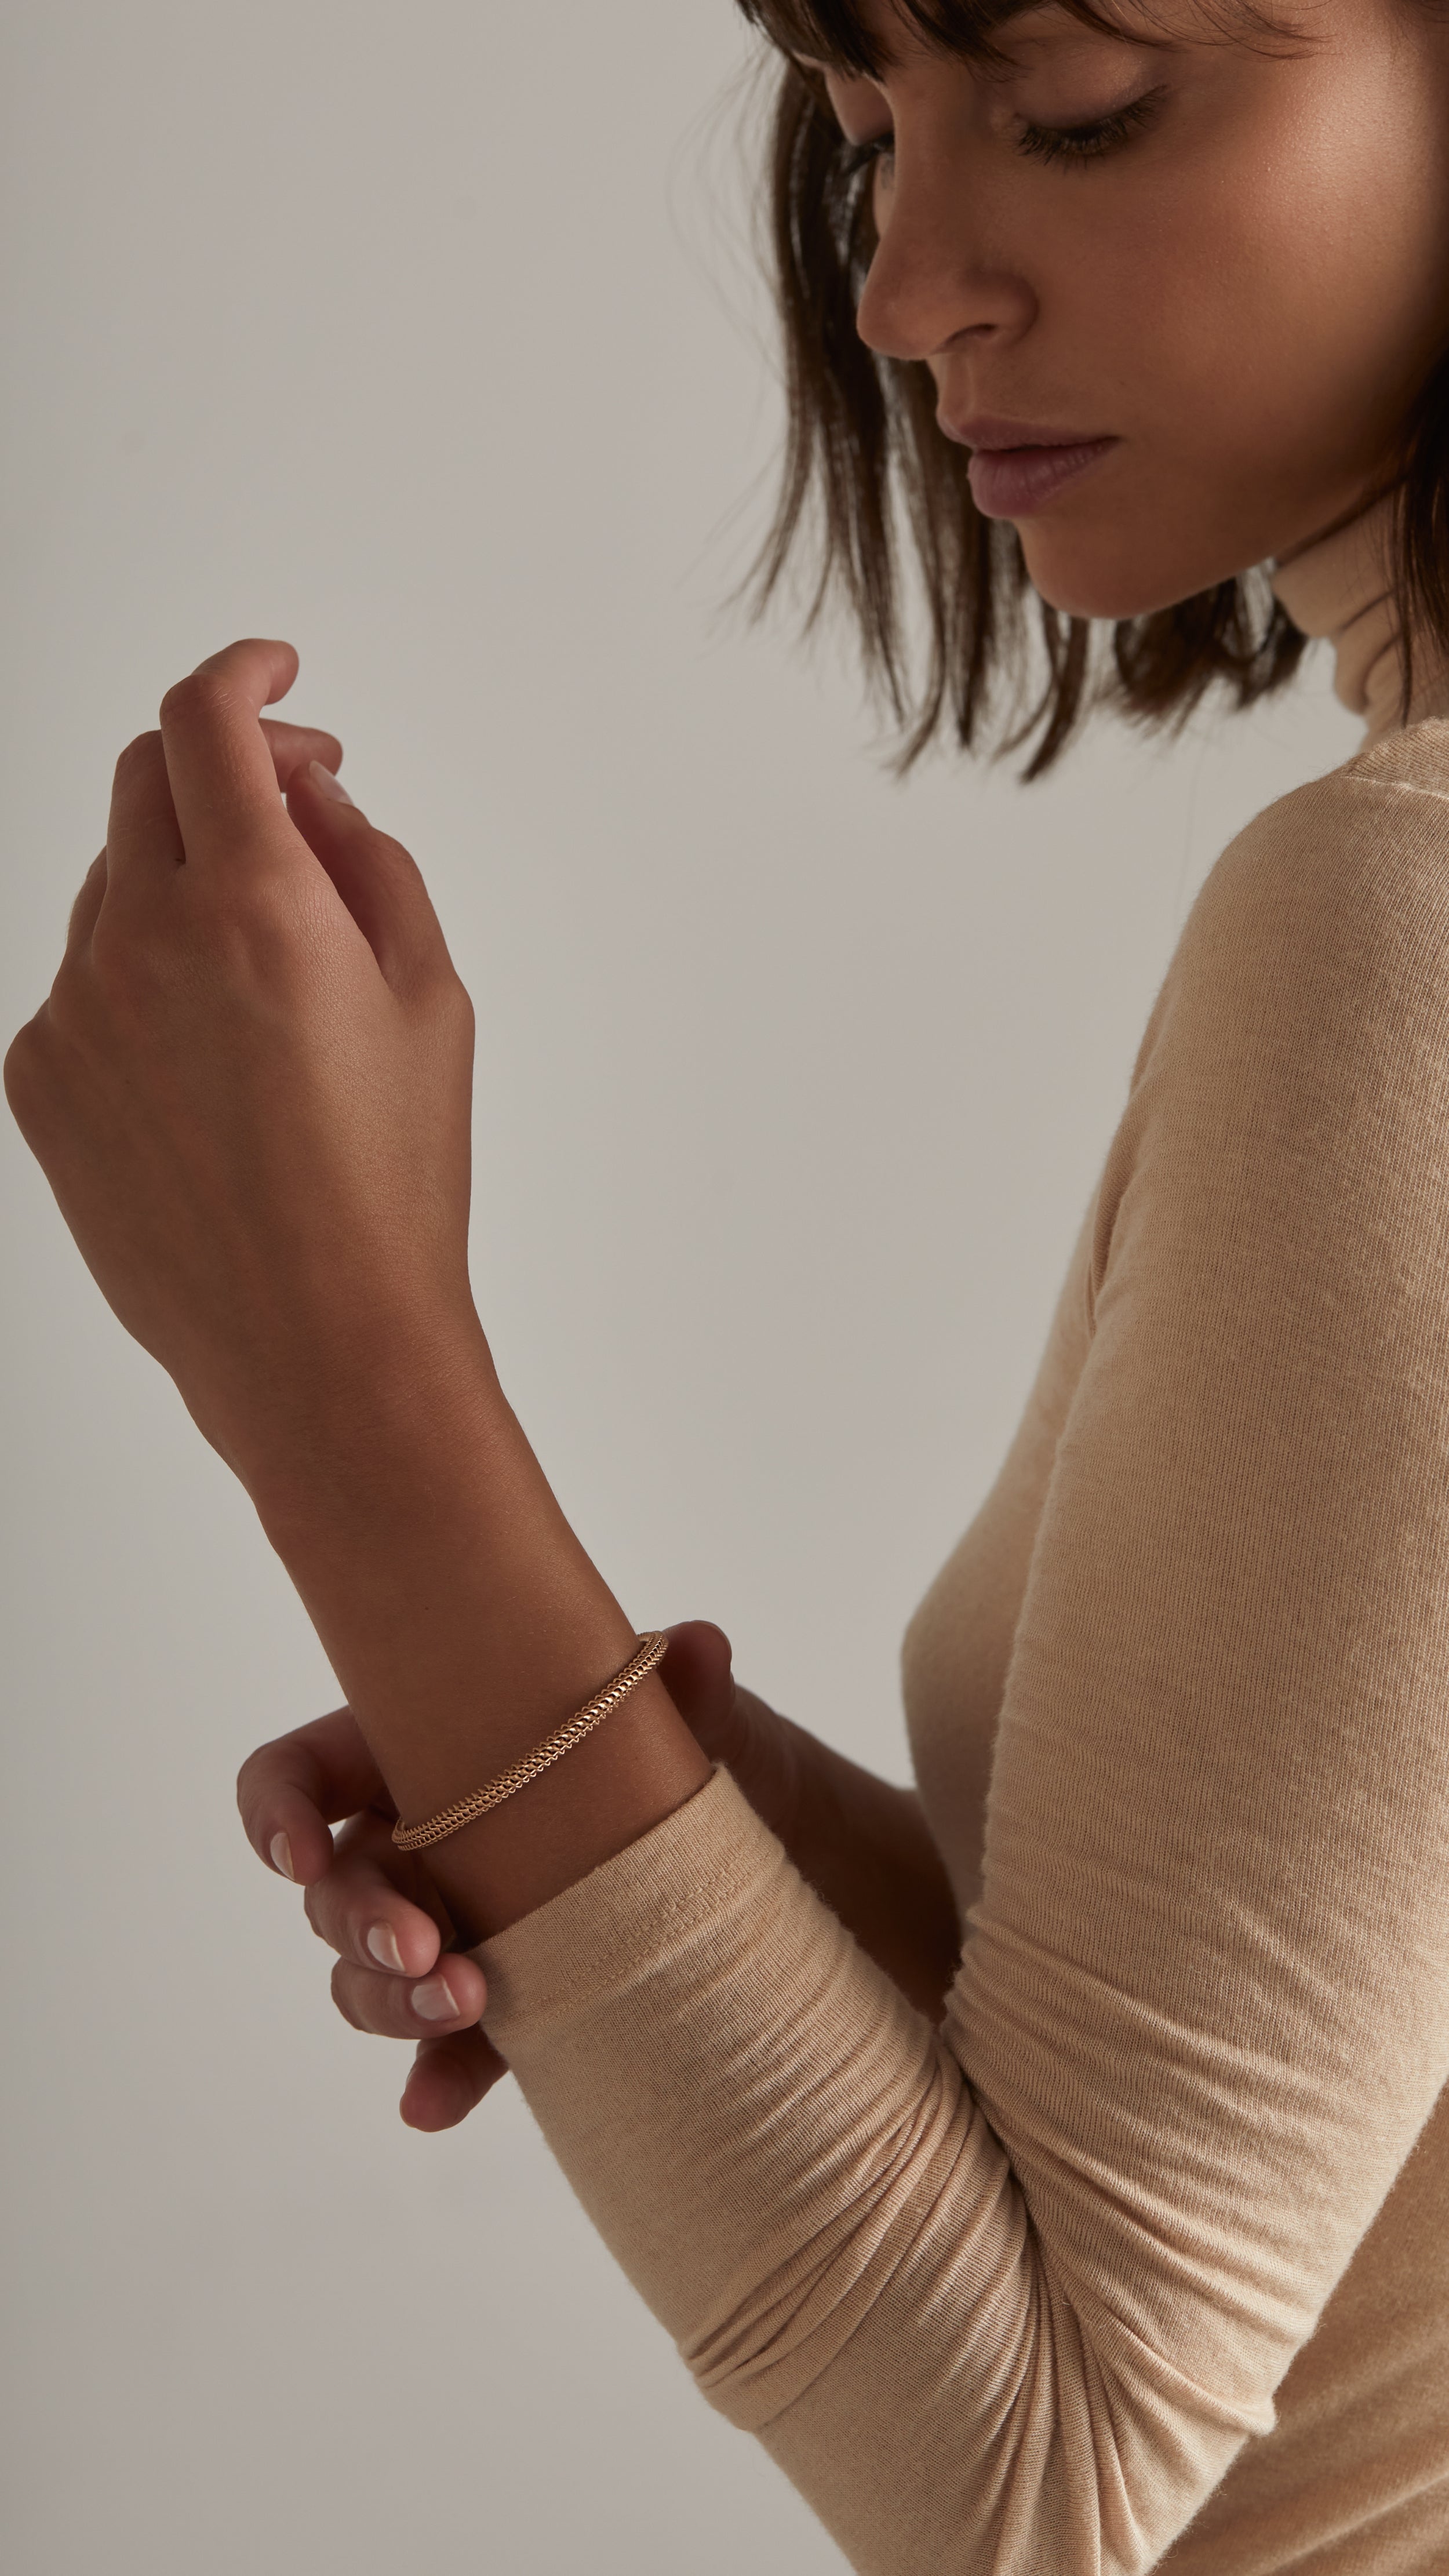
x: 1018, y: 466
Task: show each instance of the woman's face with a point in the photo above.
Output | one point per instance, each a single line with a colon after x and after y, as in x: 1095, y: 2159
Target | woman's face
x: 1237, y: 274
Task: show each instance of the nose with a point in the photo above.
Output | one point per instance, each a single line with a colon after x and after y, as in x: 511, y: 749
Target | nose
x: 933, y: 285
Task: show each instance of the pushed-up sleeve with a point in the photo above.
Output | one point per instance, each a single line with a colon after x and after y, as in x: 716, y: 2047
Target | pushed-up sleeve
x: 1007, y: 2296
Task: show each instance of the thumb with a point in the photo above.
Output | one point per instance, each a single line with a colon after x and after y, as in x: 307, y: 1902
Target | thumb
x: 698, y: 1674
x: 761, y: 1751
x: 378, y: 880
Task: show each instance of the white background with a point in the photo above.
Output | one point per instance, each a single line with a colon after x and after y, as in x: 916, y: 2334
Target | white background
x: 426, y: 336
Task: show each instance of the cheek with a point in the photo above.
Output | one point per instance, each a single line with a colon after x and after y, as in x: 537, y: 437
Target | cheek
x: 1283, y: 306
x: 1256, y: 337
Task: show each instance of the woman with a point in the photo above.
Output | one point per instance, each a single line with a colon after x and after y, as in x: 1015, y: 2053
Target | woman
x: 1054, y: 2180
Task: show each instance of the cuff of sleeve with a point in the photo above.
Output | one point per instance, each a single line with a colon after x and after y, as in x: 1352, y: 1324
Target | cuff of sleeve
x: 607, y: 1932
x: 752, y: 2115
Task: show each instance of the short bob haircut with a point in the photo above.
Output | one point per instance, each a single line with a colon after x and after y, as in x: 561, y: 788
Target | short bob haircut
x: 868, y: 476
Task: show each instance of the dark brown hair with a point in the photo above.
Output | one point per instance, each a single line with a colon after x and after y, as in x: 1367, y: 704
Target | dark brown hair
x: 868, y: 475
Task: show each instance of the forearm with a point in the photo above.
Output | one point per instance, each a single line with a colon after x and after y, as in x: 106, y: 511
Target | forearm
x: 464, y: 1621
x: 865, y: 1847
x: 861, y: 1843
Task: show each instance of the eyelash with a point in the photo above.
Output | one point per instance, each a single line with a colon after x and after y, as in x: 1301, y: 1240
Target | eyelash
x: 1047, y: 143
x: 1091, y: 142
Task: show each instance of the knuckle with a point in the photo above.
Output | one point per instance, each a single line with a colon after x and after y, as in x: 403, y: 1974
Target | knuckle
x: 22, y: 1068
x: 252, y: 1781
x: 130, y: 972
x: 203, y: 693
x: 68, y: 1009
x: 39, y: 1072
x: 254, y: 936
x: 343, y: 1999
x: 140, y: 757
x: 95, y: 876
x: 451, y: 1008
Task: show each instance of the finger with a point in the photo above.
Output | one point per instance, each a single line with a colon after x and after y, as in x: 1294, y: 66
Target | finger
x: 291, y: 1790
x: 731, y: 1725
x: 293, y: 745
x: 762, y: 1752
x: 450, y: 1999
x: 408, y: 1879
x: 369, y: 1906
x: 697, y: 1672
x: 378, y: 880
x: 85, y: 911
x: 222, y: 780
x: 143, y: 837
x: 449, y: 2077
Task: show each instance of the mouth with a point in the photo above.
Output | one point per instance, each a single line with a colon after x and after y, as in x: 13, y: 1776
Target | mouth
x: 1017, y: 468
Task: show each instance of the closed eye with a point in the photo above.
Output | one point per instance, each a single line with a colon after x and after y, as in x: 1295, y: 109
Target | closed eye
x: 1049, y: 143
x: 1105, y: 134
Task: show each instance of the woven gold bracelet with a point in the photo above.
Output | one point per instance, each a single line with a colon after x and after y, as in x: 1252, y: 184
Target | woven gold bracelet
x: 651, y: 1650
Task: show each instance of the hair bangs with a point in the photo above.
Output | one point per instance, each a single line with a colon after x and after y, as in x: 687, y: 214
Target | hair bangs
x: 875, y: 507
x: 840, y: 33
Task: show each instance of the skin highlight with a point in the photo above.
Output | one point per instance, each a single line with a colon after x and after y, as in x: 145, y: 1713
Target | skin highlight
x: 1245, y: 291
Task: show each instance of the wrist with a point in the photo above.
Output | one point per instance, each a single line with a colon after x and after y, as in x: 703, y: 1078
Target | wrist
x: 458, y: 1610
x: 371, y: 1436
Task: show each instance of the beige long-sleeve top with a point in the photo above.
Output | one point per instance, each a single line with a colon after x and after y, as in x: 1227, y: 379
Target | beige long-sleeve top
x: 1142, y: 2258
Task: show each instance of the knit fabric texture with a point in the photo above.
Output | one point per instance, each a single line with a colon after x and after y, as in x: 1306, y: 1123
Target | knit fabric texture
x: 1141, y: 2257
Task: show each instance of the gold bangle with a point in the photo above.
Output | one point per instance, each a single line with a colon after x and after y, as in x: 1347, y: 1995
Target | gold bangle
x: 651, y: 1650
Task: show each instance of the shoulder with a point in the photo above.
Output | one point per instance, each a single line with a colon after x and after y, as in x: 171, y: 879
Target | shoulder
x: 1367, y: 845
x: 1323, y: 930
x: 1294, y: 1075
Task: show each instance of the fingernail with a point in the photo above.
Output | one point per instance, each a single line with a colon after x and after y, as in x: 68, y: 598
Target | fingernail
x: 328, y: 782
x: 433, y: 2000
x: 382, y: 1942
x: 281, y: 1851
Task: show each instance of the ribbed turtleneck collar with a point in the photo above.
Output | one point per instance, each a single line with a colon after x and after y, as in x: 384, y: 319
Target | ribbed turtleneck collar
x: 1341, y: 588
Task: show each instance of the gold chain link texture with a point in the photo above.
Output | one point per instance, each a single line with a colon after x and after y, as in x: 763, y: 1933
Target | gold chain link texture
x: 651, y: 1650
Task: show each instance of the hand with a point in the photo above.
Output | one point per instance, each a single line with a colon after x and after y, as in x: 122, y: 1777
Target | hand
x: 376, y: 1907
x: 250, y: 1088
x: 861, y: 1843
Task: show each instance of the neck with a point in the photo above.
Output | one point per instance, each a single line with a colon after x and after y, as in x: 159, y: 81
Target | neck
x: 1341, y: 587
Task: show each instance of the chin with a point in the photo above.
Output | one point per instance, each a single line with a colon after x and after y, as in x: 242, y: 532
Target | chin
x: 1103, y: 580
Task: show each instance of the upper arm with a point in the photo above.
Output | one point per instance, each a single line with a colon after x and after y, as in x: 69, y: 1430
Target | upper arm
x: 1013, y: 2295
x: 1206, y: 2004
